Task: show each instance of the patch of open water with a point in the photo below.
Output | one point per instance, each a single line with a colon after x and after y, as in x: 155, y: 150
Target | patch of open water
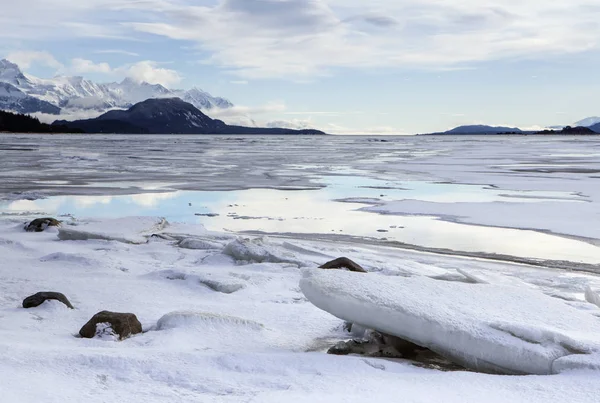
x: 322, y: 212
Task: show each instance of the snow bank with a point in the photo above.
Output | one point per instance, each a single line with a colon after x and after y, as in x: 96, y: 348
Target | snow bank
x: 490, y: 328
x: 134, y: 230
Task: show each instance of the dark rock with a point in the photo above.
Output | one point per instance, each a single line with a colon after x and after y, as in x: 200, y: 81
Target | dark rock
x: 380, y: 345
x: 123, y: 324
x: 39, y: 298
x: 343, y: 263
x: 373, y: 345
x: 572, y: 130
x: 40, y: 224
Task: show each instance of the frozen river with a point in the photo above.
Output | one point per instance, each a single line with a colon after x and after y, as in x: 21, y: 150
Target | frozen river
x: 529, y: 199
x: 483, y: 249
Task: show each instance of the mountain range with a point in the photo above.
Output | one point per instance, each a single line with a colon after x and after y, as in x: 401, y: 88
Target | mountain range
x: 483, y: 129
x: 24, y: 93
x: 166, y: 116
x: 585, y: 126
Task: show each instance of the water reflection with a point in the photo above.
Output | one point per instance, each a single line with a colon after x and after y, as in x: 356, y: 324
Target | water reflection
x: 316, y: 212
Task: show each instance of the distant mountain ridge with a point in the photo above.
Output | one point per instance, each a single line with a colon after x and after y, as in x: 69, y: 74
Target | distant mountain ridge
x: 67, y: 94
x: 483, y: 129
x: 166, y: 116
x: 588, y: 122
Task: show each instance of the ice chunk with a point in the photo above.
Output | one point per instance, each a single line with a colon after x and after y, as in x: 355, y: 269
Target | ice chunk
x: 199, y: 244
x: 490, y: 328
x: 134, y: 230
x: 258, y: 251
x: 221, y: 285
x: 203, y: 320
x: 487, y: 277
x: 592, y: 297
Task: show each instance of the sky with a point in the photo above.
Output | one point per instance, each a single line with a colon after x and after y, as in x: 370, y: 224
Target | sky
x: 344, y: 66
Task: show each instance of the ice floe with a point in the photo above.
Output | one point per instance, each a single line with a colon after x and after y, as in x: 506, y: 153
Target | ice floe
x: 133, y: 230
x: 492, y: 328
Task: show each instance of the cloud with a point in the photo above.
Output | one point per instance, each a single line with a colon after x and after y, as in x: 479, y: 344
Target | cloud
x: 303, y: 39
x: 82, y: 66
x: 116, y: 52
x: 243, y: 115
x: 297, y: 124
x: 299, y: 38
x: 149, y: 72
x: 25, y: 59
x: 72, y: 115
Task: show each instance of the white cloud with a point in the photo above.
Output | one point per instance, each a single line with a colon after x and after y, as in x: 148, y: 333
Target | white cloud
x: 147, y: 70
x: 116, y: 52
x: 82, y: 66
x: 244, y: 115
x: 292, y: 124
x: 150, y: 72
x: 25, y: 59
x: 300, y: 39
x: 72, y: 115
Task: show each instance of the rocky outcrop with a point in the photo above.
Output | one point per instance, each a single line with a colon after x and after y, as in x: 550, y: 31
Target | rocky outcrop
x: 375, y: 344
x: 343, y: 263
x: 40, y: 224
x: 41, y: 297
x: 123, y: 325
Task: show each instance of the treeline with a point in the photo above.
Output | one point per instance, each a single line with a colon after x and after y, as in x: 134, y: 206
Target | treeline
x: 19, y: 123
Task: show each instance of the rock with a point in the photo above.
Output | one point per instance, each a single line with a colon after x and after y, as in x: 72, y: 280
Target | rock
x: 40, y: 224
x: 375, y: 344
x: 39, y: 298
x: 122, y: 324
x: 343, y: 263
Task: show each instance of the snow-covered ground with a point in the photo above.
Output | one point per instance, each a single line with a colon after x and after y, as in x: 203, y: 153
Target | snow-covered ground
x: 224, y: 314
x: 247, y: 332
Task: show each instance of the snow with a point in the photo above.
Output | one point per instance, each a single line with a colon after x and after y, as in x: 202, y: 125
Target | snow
x: 238, y: 328
x: 492, y: 328
x: 264, y: 342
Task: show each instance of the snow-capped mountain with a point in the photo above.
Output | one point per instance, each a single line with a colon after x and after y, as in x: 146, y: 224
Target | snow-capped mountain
x: 587, y: 122
x: 77, y: 93
x: 13, y: 99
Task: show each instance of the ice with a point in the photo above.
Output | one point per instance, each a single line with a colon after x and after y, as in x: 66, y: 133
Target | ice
x: 201, y: 244
x: 264, y: 342
x: 491, y: 328
x: 486, y: 277
x: 134, y: 230
x: 204, y: 320
x: 258, y: 251
x: 216, y: 282
x: 592, y: 297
